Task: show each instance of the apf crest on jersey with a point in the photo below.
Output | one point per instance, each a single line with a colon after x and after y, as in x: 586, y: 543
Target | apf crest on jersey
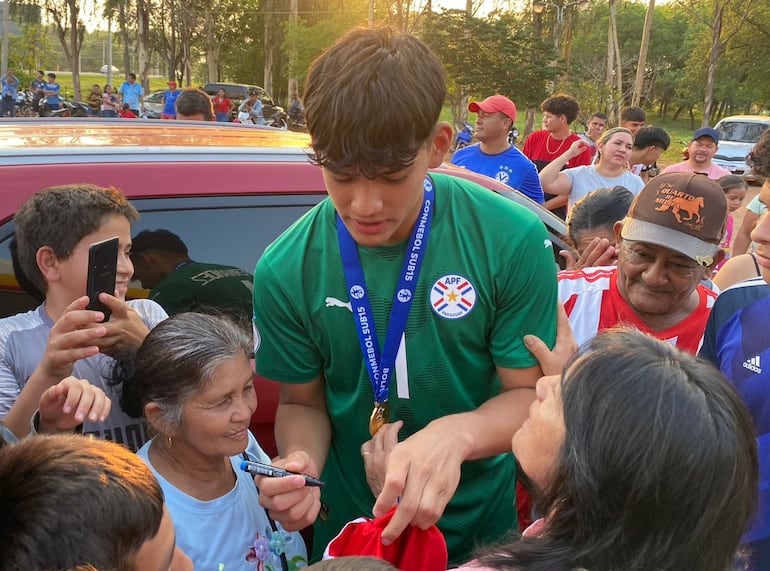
x: 452, y: 296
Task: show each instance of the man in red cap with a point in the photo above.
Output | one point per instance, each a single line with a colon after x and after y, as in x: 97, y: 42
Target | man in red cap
x: 494, y: 155
x: 169, y: 101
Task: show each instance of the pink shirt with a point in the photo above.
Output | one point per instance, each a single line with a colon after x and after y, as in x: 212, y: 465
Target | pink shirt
x: 713, y: 172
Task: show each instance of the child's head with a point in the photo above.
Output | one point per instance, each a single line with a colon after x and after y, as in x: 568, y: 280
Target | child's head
x: 56, y: 225
x: 125, y: 107
x: 372, y: 101
x: 735, y: 191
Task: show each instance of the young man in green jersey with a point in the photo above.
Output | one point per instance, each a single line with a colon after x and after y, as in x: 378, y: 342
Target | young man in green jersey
x: 399, y: 304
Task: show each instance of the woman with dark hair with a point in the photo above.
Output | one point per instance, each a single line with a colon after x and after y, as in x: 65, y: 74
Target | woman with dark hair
x: 591, y: 227
x: 193, y: 382
x: 640, y: 456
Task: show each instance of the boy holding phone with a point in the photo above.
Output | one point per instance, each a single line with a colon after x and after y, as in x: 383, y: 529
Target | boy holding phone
x: 54, y: 230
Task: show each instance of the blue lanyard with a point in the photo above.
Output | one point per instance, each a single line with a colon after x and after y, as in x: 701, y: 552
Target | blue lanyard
x: 380, y: 365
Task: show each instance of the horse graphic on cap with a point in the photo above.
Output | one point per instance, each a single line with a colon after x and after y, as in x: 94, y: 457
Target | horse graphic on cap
x: 669, y: 198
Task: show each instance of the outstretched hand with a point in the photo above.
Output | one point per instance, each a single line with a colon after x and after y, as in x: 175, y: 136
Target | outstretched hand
x: 69, y: 403
x: 552, y: 361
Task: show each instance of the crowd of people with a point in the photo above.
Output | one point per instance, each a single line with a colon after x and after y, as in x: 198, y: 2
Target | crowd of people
x: 430, y: 356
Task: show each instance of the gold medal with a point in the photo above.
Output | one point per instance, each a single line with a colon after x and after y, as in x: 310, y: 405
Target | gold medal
x: 380, y: 417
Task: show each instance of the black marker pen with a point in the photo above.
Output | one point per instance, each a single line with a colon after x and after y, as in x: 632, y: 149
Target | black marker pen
x: 275, y: 472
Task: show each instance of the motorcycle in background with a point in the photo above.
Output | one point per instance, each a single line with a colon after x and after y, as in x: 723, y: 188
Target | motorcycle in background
x: 464, y: 136
x: 277, y: 119
x: 66, y: 109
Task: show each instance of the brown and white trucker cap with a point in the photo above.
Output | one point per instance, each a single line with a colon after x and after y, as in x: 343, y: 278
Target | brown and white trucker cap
x: 684, y: 212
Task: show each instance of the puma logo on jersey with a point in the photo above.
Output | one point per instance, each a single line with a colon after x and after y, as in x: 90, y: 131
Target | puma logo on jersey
x: 334, y: 302
x: 753, y: 365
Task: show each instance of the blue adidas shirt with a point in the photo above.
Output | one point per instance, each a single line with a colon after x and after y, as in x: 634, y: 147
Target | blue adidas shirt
x: 737, y: 340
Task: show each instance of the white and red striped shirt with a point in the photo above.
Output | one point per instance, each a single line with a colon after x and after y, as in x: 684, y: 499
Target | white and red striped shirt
x: 593, y: 303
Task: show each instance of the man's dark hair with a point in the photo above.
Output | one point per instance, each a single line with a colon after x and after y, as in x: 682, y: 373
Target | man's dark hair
x: 59, y: 217
x: 194, y: 101
x: 41, y: 72
x: 132, y: 75
x: 561, y: 104
x: 633, y: 114
x: 372, y: 101
x: 599, y: 115
x: 52, y: 75
x: 651, y: 137
x: 161, y: 239
x: 67, y: 502
x: 612, y: 501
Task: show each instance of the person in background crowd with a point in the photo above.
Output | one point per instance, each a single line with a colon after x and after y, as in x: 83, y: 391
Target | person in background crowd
x: 735, y: 189
x: 222, y: 105
x: 94, y: 101
x: 665, y: 244
x: 542, y: 147
x: 194, y: 104
x: 163, y: 265
x: 193, y: 382
x: 619, y: 483
x: 701, y: 150
x: 633, y: 119
x: 9, y: 89
x: 595, y: 126
x: 251, y: 109
x: 649, y: 144
x: 132, y: 93
x: 126, y: 113
x: 169, y: 101
x: 70, y: 502
x: 759, y: 161
x: 296, y: 109
x: 54, y: 229
x: 109, y: 103
x: 613, y: 149
x: 591, y: 228
x: 737, y: 341
x: 37, y: 86
x: 462, y: 381
x: 494, y: 155
x: 52, y: 91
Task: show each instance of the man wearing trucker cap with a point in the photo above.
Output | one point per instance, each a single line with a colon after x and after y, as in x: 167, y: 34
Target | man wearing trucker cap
x: 666, y: 244
x: 700, y: 151
x: 494, y: 155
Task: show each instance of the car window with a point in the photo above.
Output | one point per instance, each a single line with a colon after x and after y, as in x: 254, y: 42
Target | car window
x: 225, y: 230
x: 741, y: 131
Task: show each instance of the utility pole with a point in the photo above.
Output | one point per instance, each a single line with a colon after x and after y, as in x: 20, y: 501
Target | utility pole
x: 636, y: 98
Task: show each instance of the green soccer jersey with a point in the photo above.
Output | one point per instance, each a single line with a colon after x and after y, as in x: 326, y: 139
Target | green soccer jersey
x: 487, y: 280
x: 196, y: 286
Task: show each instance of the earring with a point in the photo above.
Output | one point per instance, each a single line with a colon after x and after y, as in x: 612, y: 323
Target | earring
x: 168, y: 442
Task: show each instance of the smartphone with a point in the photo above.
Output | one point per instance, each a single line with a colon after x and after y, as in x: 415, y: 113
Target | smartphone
x: 102, y: 271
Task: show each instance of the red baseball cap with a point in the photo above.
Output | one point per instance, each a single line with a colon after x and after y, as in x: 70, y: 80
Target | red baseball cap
x: 495, y: 104
x: 172, y: 84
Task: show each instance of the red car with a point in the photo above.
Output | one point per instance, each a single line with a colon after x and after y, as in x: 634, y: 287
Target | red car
x: 227, y: 191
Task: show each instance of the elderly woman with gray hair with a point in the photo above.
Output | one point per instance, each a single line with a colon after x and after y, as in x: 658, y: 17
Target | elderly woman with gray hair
x: 193, y: 382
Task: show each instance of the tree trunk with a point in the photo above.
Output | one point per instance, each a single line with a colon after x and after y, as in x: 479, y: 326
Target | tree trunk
x: 636, y: 98
x: 293, y: 17
x: 124, y: 38
x: 143, y: 37
x: 529, y: 122
x: 612, y: 102
x: 212, y: 50
x: 716, y: 32
x: 75, y: 42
